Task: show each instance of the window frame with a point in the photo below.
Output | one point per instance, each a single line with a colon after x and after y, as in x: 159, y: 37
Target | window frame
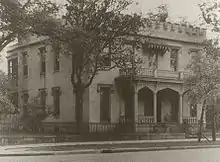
x: 25, y: 63
x: 56, y: 61
x: 43, y: 97
x: 174, y: 59
x: 103, y: 117
x: 42, y: 51
x: 56, y: 93
x: 106, y: 58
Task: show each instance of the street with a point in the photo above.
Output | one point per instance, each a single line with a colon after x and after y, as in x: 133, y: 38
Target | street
x: 189, y: 155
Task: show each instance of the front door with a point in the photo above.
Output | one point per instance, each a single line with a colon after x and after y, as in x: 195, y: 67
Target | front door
x: 166, y: 111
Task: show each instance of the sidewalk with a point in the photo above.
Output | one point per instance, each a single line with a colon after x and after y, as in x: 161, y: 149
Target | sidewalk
x: 104, y: 147
x: 101, y: 143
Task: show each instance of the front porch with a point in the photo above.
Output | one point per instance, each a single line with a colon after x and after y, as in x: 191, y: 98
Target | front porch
x: 155, y: 107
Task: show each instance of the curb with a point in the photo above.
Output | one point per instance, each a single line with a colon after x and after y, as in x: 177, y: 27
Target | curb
x: 50, y: 153
x: 121, y: 150
x: 97, y: 143
x: 157, y: 148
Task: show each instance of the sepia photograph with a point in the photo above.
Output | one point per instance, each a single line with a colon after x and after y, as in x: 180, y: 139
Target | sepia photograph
x: 109, y: 80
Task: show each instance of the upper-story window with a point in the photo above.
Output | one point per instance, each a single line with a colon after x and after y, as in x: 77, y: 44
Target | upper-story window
x: 25, y: 63
x: 56, y: 61
x: 106, y: 57
x: 153, y: 61
x: 173, y: 59
x: 42, y: 51
x: 13, y: 69
x: 154, y: 51
x: 10, y: 66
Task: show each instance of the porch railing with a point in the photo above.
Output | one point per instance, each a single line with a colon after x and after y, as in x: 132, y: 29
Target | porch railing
x: 145, y: 119
x: 142, y: 72
x: 8, y: 122
x: 102, y: 127
x: 190, y: 120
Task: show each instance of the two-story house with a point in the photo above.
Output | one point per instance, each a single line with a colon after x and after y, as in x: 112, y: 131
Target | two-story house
x: 159, y: 95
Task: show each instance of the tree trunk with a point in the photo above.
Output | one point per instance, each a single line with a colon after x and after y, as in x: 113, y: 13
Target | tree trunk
x: 79, y: 108
x: 213, y: 124
x: 201, y: 121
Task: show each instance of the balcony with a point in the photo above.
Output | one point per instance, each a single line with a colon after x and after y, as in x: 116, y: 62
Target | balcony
x: 145, y: 72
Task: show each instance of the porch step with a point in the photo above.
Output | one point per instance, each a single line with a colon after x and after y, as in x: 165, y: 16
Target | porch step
x: 175, y: 128
x: 170, y: 128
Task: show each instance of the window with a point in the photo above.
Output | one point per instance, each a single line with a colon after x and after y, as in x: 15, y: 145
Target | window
x: 25, y: 100
x: 9, y: 67
x: 14, y: 99
x: 193, y: 110
x: 105, y: 106
x: 56, y: 100
x: 56, y: 61
x: 106, y: 57
x: 173, y: 59
x: 43, y: 60
x: 13, y: 70
x: 42, y: 93
x: 153, y: 61
x: 25, y: 63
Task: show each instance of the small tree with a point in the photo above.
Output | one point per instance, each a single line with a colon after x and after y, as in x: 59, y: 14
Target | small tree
x: 203, y: 81
x: 31, y: 119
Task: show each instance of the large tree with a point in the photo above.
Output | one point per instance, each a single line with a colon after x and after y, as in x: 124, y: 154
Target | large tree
x: 203, y: 81
x: 91, y: 32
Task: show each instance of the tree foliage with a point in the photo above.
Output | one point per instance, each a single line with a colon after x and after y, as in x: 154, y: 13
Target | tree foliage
x: 203, y: 81
x: 33, y: 115
x: 90, y: 32
x: 204, y: 67
x: 210, y: 14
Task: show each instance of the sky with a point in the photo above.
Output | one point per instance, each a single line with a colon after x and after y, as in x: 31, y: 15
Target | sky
x: 177, y: 8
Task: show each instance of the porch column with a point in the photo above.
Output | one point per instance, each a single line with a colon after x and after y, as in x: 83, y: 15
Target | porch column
x: 135, y: 106
x: 135, y: 110
x: 155, y: 107
x: 180, y: 108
